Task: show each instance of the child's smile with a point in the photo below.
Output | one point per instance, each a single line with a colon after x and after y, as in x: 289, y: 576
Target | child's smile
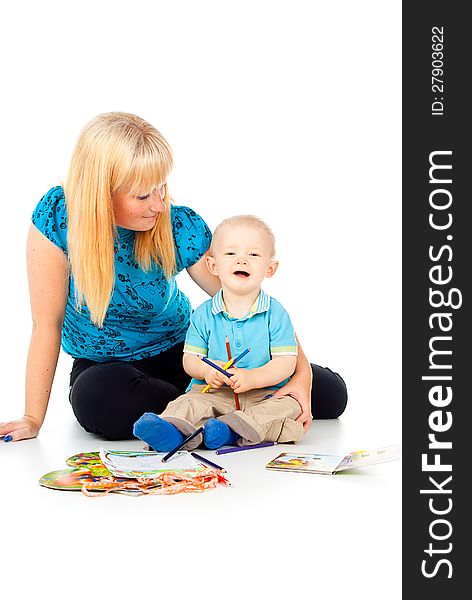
x: 241, y: 274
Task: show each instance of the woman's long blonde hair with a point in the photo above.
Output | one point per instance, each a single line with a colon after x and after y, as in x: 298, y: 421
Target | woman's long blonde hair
x: 115, y: 152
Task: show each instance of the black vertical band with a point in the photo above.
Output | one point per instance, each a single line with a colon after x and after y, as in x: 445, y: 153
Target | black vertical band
x: 437, y: 259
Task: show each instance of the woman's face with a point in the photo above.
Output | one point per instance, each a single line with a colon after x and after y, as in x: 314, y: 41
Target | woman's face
x: 138, y: 213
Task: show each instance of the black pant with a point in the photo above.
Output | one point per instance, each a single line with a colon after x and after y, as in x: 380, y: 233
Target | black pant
x: 107, y: 398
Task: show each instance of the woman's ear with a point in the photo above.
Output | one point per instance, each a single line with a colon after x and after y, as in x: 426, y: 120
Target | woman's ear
x: 272, y: 268
x: 211, y: 264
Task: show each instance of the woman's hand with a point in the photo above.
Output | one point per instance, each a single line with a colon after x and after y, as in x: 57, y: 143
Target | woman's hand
x: 302, y: 393
x: 22, y: 429
x: 299, y: 387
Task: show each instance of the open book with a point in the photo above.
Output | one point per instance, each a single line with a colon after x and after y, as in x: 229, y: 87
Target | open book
x: 139, y: 465
x: 328, y: 464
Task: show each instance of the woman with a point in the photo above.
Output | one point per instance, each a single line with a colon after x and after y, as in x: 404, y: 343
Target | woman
x: 102, y: 257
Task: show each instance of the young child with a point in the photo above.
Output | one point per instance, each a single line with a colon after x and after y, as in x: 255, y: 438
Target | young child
x: 241, y: 255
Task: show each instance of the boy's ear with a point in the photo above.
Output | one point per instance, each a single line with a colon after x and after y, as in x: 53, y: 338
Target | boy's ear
x: 272, y: 268
x: 211, y: 264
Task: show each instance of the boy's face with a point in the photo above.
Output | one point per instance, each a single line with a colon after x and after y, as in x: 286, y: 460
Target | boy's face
x: 242, y: 258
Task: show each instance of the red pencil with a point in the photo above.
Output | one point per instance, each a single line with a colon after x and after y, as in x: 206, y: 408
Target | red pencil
x: 228, y: 352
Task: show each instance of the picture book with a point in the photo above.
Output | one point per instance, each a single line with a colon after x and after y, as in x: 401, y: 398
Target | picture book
x: 148, y: 475
x: 146, y: 464
x: 328, y: 464
x: 87, y: 472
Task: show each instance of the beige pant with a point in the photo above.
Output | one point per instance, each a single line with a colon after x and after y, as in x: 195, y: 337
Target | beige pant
x: 260, y: 418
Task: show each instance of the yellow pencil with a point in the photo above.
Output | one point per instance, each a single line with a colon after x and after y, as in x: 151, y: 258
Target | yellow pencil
x: 225, y: 366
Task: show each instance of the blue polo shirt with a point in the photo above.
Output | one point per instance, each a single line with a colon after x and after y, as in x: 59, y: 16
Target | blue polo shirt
x: 266, y: 329
x: 147, y: 313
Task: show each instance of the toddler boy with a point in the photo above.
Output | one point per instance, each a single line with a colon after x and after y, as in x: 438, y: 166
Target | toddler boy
x: 241, y: 314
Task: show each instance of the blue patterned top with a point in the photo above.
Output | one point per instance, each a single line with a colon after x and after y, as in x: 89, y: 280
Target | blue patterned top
x: 147, y: 314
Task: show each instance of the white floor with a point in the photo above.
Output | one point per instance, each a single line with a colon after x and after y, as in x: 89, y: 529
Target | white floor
x: 271, y: 533
x: 255, y: 103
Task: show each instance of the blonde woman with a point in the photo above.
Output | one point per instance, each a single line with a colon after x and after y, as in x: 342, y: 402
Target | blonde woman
x: 102, y: 253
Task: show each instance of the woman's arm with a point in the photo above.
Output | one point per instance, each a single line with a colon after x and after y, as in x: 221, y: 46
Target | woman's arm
x: 48, y: 284
x: 202, y: 276
x: 299, y: 387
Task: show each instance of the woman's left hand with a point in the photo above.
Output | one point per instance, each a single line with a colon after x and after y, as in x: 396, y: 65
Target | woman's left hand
x: 302, y: 395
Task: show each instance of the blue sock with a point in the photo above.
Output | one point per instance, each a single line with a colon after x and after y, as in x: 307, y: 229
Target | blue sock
x: 217, y: 434
x: 159, y: 434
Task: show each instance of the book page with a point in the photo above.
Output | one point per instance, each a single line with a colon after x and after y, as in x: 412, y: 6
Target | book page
x: 364, y: 458
x: 146, y: 464
x: 304, y: 462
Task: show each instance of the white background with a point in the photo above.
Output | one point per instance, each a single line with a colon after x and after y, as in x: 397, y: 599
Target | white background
x: 288, y: 110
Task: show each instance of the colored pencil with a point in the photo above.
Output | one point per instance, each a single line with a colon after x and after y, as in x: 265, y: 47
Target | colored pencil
x: 240, y: 448
x: 215, y: 366
x: 225, y: 366
x: 240, y: 356
x: 233, y: 361
x: 187, y: 439
x: 228, y: 348
x: 205, y: 460
x: 236, y: 401
x: 228, y: 352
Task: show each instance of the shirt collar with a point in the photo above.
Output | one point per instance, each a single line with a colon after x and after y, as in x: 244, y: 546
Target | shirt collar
x: 261, y: 304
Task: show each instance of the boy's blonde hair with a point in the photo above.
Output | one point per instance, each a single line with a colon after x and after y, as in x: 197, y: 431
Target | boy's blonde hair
x: 249, y: 221
x: 115, y: 151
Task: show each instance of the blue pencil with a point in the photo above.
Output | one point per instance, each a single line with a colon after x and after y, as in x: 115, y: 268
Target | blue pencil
x: 205, y: 460
x: 240, y: 448
x: 230, y: 363
x: 217, y: 367
x: 182, y: 444
x: 233, y: 362
x: 240, y: 356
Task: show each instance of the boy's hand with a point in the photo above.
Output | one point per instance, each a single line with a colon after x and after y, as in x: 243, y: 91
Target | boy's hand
x: 242, y: 380
x: 215, y: 378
